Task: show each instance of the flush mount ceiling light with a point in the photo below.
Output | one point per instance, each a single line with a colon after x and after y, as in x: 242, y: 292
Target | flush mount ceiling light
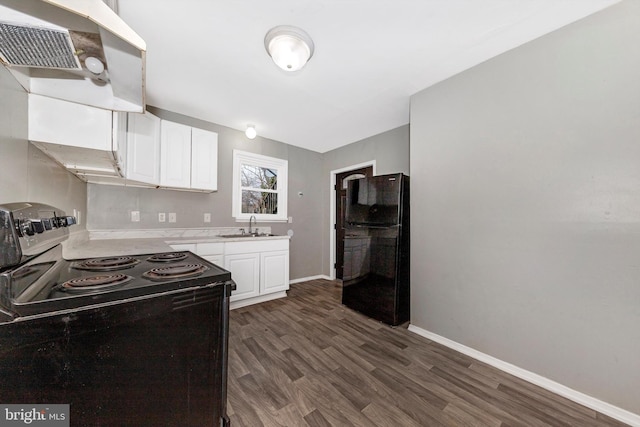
x: 251, y: 131
x: 289, y: 47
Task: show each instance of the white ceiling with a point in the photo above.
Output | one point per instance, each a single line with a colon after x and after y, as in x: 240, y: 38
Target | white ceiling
x: 206, y: 59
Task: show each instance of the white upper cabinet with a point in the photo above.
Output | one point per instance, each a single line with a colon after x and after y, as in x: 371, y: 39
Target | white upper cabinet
x: 143, y: 148
x: 188, y: 157
x: 175, y: 155
x: 67, y: 123
x: 84, y: 139
x: 104, y: 147
x: 204, y: 160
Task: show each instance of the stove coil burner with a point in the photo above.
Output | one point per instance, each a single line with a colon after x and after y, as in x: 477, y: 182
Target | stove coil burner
x: 175, y: 272
x: 95, y: 283
x: 106, y: 264
x: 168, y: 257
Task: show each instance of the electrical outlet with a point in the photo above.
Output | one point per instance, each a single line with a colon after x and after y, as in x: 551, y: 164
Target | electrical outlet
x: 135, y: 216
x: 207, y: 217
x: 290, y: 220
x: 172, y: 217
x: 162, y: 217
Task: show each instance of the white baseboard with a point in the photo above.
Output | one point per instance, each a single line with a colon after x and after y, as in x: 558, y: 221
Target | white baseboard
x: 256, y: 300
x: 564, y: 391
x: 306, y: 279
x: 269, y: 297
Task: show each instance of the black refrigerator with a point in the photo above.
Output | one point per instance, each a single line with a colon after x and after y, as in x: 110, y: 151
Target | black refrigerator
x: 376, y: 248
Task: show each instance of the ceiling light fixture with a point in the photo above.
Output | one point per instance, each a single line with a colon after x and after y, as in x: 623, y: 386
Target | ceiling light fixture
x: 289, y: 47
x: 251, y: 131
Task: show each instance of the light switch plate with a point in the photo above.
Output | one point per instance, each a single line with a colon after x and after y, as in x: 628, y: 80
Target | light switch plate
x: 172, y: 217
x: 207, y: 217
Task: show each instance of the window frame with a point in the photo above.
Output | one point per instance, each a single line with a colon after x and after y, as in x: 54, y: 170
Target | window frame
x: 246, y: 158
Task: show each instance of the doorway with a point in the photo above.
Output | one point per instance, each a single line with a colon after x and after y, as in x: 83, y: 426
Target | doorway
x: 340, y: 189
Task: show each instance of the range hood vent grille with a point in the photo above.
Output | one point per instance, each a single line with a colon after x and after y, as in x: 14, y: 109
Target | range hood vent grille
x: 37, y: 47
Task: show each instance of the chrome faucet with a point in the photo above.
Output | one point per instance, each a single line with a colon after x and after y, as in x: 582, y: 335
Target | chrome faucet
x: 253, y: 217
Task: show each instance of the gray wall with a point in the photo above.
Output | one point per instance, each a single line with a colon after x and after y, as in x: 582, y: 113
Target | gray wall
x: 526, y: 206
x: 110, y: 206
x: 389, y: 149
x: 26, y: 174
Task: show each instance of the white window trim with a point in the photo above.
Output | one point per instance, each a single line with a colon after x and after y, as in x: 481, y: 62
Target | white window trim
x: 245, y: 157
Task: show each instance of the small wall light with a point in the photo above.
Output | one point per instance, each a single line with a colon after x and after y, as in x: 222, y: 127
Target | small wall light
x: 251, y: 131
x: 94, y: 65
x: 289, y: 47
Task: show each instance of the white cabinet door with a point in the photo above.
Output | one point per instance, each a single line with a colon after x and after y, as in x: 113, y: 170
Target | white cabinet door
x: 212, y: 252
x: 204, y: 159
x: 175, y: 155
x: 215, y: 259
x: 210, y: 248
x: 143, y: 148
x: 274, y: 271
x: 245, y: 271
x: 67, y: 123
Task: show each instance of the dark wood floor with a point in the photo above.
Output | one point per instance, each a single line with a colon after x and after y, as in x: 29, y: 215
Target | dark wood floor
x: 307, y: 360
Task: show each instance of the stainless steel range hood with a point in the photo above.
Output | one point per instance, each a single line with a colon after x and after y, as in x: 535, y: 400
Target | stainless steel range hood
x: 76, y: 50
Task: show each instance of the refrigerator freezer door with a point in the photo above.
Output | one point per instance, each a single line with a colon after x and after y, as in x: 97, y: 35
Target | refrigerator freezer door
x: 374, y: 201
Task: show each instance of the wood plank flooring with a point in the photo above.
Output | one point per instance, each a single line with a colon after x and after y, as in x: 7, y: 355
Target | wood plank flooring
x: 306, y: 360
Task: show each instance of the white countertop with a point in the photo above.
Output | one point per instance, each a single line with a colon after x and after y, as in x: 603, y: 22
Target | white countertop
x: 94, y: 244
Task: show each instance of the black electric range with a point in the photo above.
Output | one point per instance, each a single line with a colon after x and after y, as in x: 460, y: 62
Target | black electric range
x: 51, y: 283
x: 123, y: 340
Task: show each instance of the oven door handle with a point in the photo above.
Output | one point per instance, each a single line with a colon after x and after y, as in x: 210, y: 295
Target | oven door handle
x: 232, y: 286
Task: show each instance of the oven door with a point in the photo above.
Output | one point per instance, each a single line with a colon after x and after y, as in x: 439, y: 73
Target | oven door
x: 153, y: 360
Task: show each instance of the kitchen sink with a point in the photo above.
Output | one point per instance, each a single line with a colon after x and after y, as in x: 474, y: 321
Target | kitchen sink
x: 247, y: 235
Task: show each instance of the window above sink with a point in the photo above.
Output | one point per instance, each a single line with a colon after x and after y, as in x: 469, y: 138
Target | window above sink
x: 259, y: 187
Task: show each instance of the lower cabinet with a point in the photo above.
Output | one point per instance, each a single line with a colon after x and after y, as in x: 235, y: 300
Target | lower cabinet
x: 212, y: 252
x: 260, y: 268
x: 191, y: 247
x: 245, y: 271
x: 274, y: 271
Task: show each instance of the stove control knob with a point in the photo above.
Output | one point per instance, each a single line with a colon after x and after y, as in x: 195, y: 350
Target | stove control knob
x: 38, y: 226
x: 26, y: 227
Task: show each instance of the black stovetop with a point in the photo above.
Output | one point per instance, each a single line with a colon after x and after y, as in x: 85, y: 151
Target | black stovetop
x: 50, y: 283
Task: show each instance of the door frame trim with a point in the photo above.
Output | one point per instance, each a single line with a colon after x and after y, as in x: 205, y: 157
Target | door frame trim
x: 332, y: 210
